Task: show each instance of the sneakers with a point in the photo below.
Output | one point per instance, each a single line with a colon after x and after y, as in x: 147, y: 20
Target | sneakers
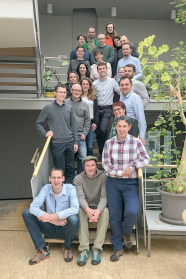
x: 67, y: 255
x: 82, y: 260
x: 96, y: 259
x: 184, y: 216
x: 116, y: 255
x: 41, y: 255
x: 128, y: 241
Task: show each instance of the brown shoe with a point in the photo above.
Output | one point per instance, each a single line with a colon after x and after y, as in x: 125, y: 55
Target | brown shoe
x: 41, y: 255
x: 128, y: 241
x: 67, y: 255
x: 116, y: 255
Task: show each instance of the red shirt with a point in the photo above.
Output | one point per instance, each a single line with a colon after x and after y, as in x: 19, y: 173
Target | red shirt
x: 109, y: 41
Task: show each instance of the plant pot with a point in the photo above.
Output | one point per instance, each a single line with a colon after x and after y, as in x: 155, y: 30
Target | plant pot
x: 49, y: 94
x: 172, y: 207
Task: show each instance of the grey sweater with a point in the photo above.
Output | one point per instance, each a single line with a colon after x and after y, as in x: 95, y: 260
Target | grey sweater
x: 74, y: 64
x: 60, y: 120
x: 139, y: 88
x: 91, y: 191
x: 82, y: 115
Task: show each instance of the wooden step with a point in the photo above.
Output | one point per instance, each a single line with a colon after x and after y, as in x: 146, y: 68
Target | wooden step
x: 17, y: 75
x: 16, y: 66
x: 2, y: 83
x: 18, y: 51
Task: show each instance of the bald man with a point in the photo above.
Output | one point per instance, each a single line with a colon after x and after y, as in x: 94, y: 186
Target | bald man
x: 82, y: 120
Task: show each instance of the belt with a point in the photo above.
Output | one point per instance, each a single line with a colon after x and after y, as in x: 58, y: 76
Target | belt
x: 105, y: 107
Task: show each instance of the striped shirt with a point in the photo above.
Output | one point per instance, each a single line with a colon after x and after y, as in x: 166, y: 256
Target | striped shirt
x: 118, y: 155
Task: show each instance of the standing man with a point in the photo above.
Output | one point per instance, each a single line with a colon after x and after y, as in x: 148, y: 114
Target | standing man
x: 108, y: 51
x: 91, y: 41
x: 75, y: 62
x: 138, y: 87
x: 122, y: 156
x: 82, y: 122
x: 60, y: 119
x: 134, y: 105
x: 59, y: 220
x: 128, y: 59
x: 134, y: 52
x: 81, y: 38
x: 110, y: 34
x: 105, y: 88
x: 91, y: 191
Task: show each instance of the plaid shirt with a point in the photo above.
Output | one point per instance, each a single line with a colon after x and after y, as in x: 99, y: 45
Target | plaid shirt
x: 118, y: 155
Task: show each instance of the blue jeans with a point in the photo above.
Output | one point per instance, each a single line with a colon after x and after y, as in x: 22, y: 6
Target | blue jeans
x: 36, y: 228
x: 81, y: 154
x: 119, y: 191
x: 90, y: 141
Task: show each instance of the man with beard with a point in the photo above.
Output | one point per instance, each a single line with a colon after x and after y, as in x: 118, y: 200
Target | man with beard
x: 110, y: 34
x: 91, y: 41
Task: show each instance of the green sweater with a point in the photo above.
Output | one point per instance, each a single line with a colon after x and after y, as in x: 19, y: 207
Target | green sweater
x: 108, y: 54
x: 91, y: 191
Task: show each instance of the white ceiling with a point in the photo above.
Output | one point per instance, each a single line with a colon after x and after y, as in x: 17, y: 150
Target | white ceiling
x: 126, y: 9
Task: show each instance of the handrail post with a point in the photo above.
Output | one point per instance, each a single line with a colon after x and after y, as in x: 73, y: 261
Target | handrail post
x: 41, y: 156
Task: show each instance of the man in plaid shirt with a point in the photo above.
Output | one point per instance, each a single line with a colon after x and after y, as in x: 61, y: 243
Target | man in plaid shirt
x: 122, y: 156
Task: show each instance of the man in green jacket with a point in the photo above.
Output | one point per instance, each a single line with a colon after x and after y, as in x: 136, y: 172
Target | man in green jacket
x: 91, y: 41
x: 91, y: 192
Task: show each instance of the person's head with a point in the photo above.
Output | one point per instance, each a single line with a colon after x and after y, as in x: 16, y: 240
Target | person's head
x: 82, y: 70
x: 91, y: 33
x: 98, y: 56
x: 119, y: 108
x: 129, y: 70
x: 125, y: 84
x: 72, y: 77
x: 60, y: 92
x: 102, y: 69
x: 76, y: 91
x: 126, y: 49
x: 124, y: 39
x: 110, y: 29
x: 80, y: 51
x: 90, y: 166
x: 87, y: 87
x: 81, y: 38
x: 123, y: 125
x: 121, y: 72
x: 56, y: 178
x: 116, y: 41
x: 101, y: 40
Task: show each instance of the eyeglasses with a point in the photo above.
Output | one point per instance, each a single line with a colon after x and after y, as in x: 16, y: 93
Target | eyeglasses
x: 61, y: 92
x: 58, y: 178
x: 75, y: 90
x: 80, y: 51
x: 118, y: 109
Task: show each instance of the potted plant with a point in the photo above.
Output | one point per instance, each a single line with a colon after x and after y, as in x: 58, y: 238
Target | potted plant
x: 164, y: 80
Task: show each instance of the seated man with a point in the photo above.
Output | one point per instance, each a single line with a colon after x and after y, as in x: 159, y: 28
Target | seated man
x: 123, y: 155
x: 59, y: 220
x: 91, y: 192
x: 74, y: 63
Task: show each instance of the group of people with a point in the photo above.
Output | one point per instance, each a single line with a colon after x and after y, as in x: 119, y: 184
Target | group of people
x: 99, y: 82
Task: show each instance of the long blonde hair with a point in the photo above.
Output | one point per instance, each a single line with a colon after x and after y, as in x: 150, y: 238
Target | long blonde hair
x: 91, y: 92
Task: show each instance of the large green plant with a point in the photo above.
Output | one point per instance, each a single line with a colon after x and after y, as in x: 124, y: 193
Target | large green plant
x: 181, y: 13
x: 162, y: 79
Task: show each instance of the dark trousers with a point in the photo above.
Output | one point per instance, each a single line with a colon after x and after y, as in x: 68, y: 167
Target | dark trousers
x: 119, y: 191
x: 63, y: 158
x: 36, y: 228
x: 103, y: 127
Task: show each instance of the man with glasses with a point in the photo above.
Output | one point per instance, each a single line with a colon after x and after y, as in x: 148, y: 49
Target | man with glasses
x: 82, y: 122
x: 108, y: 51
x: 60, y: 219
x: 60, y: 120
x: 74, y: 63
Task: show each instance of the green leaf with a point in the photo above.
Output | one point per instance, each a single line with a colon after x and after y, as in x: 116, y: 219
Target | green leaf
x: 165, y: 77
x: 154, y: 86
x: 152, y: 50
x: 174, y: 64
x: 165, y: 48
x: 159, y: 65
x: 147, y: 79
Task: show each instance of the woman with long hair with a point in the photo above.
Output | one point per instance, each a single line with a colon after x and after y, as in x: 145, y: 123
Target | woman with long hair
x: 93, y: 68
x: 88, y: 95
x: 72, y: 78
x: 83, y: 71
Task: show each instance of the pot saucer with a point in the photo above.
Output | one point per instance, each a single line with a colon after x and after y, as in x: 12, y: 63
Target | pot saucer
x: 173, y: 222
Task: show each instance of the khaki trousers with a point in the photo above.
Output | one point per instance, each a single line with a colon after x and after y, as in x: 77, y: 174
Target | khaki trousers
x: 83, y: 232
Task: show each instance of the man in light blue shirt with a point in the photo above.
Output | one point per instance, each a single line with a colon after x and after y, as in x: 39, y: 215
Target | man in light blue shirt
x: 134, y: 105
x: 129, y: 59
x: 105, y: 88
x: 60, y: 219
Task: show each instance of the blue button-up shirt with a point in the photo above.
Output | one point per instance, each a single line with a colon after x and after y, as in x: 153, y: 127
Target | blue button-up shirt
x: 105, y: 90
x: 134, y: 109
x: 130, y: 60
x: 67, y: 203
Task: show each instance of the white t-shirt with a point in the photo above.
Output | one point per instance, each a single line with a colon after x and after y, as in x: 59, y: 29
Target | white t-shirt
x: 90, y: 104
x: 56, y: 196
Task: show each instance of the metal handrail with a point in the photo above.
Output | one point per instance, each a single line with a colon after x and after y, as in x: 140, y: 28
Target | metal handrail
x: 41, y: 156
